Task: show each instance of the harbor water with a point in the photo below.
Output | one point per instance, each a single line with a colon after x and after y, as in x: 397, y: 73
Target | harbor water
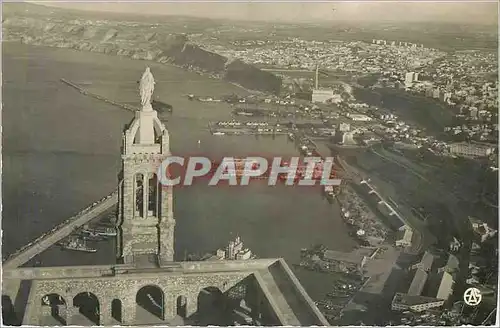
x: 61, y: 152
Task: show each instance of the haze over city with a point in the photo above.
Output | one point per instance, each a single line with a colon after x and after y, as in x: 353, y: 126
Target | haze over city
x: 472, y: 12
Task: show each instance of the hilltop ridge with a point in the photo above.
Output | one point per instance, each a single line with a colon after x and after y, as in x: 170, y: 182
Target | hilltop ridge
x: 160, y: 42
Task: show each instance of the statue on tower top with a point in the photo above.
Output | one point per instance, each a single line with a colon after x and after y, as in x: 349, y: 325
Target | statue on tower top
x: 146, y: 88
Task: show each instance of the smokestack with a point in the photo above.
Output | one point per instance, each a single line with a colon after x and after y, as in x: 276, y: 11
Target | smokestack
x: 316, y: 80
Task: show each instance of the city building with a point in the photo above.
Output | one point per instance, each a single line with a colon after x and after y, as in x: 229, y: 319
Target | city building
x: 348, y: 138
x: 359, y: 117
x: 418, y: 282
x: 471, y: 150
x: 482, y: 230
x: 409, y: 79
x: 436, y: 93
x: 404, y: 238
x: 451, y: 266
x: 404, y: 302
x: 344, y: 127
x: 426, y: 262
x: 445, y: 288
x: 320, y: 95
x: 146, y: 286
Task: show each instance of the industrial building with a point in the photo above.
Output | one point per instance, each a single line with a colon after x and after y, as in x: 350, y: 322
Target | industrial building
x: 404, y: 238
x: 320, y: 95
x: 445, y: 288
x: 404, y: 302
x: 418, y: 282
x: 438, y: 285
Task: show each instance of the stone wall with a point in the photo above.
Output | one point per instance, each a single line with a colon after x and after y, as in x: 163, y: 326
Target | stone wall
x: 124, y: 288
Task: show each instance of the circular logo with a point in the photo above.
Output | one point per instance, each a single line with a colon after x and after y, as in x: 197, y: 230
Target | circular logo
x: 472, y: 296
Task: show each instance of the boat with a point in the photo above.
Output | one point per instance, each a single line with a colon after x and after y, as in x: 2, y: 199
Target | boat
x: 77, y: 245
x: 92, y: 236
x: 101, y: 231
x: 218, y: 133
x: 244, y: 113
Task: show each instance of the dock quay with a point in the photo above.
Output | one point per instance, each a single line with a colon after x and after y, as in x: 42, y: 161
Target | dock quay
x: 59, y: 232
x: 248, y: 128
x: 95, y: 96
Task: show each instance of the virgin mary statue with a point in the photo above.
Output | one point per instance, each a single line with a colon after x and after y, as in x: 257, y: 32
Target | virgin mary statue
x: 146, y: 88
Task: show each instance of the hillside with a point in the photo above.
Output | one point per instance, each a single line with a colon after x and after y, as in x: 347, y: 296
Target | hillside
x: 138, y: 39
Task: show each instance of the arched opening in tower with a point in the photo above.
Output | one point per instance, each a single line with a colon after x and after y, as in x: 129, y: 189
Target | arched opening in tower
x: 157, y: 134
x: 151, y: 299
x: 211, y: 307
x: 116, y: 310
x: 182, y: 306
x: 153, y: 196
x: 88, y: 305
x: 9, y: 316
x: 56, y: 307
x: 139, y: 195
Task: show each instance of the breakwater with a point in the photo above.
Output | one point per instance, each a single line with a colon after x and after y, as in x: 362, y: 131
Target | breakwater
x: 62, y: 230
x: 95, y: 96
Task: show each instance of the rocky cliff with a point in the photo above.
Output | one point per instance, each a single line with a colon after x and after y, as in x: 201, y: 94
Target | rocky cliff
x: 136, y: 40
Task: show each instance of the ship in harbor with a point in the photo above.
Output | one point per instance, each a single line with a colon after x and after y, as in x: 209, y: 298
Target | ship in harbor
x: 235, y: 250
x: 76, y: 244
x: 100, y: 231
x: 91, y: 236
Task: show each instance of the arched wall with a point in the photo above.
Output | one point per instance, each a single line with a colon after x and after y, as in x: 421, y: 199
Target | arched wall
x: 125, y: 289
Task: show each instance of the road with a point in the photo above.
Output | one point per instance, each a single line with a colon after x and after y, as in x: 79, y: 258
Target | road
x: 65, y: 229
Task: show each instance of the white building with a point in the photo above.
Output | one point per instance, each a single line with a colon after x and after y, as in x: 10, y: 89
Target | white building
x: 471, y: 150
x: 360, y: 117
x: 482, y: 229
x: 405, y: 238
x: 445, y: 286
x: 320, y: 95
x: 404, y: 302
x: 348, y: 138
x: 409, y: 78
x: 344, y: 127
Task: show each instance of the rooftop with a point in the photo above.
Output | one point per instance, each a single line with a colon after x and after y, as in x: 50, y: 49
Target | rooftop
x: 418, y: 282
x: 409, y: 300
x: 445, y: 287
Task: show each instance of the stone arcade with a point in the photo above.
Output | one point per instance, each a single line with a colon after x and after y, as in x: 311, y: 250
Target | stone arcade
x: 146, y: 287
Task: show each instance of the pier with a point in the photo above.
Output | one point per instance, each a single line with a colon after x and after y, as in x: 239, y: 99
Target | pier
x: 246, y: 129
x: 95, y: 96
x: 61, y: 231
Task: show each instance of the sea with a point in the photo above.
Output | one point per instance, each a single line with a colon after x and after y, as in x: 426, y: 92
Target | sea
x: 61, y: 152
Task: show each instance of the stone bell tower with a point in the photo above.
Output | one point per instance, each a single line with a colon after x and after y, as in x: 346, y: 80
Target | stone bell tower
x: 145, y: 221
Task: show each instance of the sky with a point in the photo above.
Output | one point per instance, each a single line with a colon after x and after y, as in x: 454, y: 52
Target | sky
x: 473, y: 11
